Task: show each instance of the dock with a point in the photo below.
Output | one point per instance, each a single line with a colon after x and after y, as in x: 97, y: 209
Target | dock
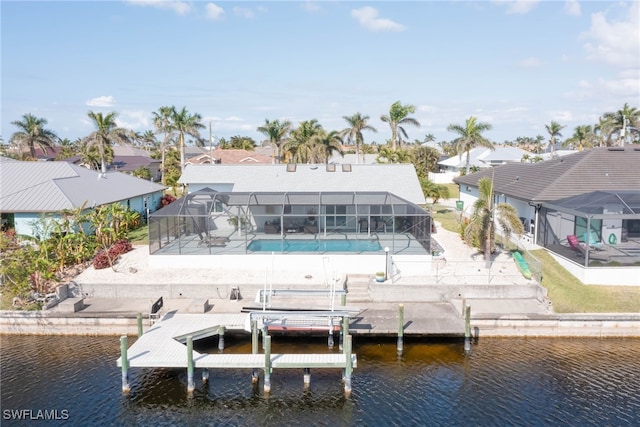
x: 169, y: 344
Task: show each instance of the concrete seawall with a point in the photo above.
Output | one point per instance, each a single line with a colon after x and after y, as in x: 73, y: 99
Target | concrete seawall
x: 552, y: 325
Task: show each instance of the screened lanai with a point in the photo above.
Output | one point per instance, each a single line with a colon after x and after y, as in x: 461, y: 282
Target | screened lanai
x: 594, y: 229
x: 207, y: 221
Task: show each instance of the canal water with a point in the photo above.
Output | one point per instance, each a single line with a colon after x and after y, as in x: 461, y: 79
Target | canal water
x: 501, y: 382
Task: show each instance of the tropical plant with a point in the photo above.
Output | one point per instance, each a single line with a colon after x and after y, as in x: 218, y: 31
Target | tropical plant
x: 324, y: 145
x: 554, y: 130
x: 357, y: 124
x: 107, y: 132
x: 147, y: 140
x: 298, y: 148
x: 162, y: 123
x: 583, y: 137
x: 398, y: 118
x: 470, y: 136
x: 68, y: 148
x: 425, y: 160
x: 32, y: 135
x: 182, y: 122
x: 277, y: 133
x: 480, y: 231
x: 242, y: 143
x: 621, y: 123
x: 434, y: 191
x: 387, y: 154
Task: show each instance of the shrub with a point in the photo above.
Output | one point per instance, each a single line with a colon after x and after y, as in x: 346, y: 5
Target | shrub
x: 166, y: 200
x: 102, y: 258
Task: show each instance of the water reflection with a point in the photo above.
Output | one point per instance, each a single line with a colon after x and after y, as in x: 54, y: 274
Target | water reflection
x: 500, y: 382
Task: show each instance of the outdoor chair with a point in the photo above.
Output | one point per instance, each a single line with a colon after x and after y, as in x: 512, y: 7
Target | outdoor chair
x: 591, y: 239
x: 581, y: 250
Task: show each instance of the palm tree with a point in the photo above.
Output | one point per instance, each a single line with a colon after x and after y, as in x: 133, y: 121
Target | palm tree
x: 481, y: 228
x: 184, y: 123
x: 398, y: 116
x: 425, y: 160
x: 162, y: 123
x: 147, y: 139
x: 357, y: 124
x: 554, y: 129
x: 298, y: 147
x: 242, y: 143
x: 107, y: 132
x: 324, y: 145
x: 434, y: 191
x: 387, y: 155
x: 583, y: 136
x: 32, y: 134
x: 470, y: 137
x: 277, y: 134
x: 621, y: 122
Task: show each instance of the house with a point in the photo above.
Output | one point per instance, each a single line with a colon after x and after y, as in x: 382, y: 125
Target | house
x: 555, y: 199
x: 230, y: 156
x: 481, y: 157
x: 352, y: 216
x: 29, y: 190
x: 127, y: 159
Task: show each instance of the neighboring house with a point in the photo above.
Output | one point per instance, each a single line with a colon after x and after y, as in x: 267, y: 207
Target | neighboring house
x: 230, y: 157
x: 546, y: 194
x: 29, y: 190
x: 399, y: 179
x: 128, y: 159
x: 483, y: 158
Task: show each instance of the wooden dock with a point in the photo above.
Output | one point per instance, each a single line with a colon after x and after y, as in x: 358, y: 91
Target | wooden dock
x: 163, y: 346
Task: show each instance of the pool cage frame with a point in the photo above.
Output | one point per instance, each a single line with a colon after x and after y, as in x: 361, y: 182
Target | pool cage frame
x: 215, y: 220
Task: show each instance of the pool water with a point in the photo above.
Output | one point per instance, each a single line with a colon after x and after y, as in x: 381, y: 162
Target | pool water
x: 314, y: 246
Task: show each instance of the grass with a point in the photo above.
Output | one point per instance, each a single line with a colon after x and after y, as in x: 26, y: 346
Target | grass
x: 139, y: 236
x: 567, y: 294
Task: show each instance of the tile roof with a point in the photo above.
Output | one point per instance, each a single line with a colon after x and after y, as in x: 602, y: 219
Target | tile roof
x: 597, y: 169
x: 399, y: 179
x: 53, y: 186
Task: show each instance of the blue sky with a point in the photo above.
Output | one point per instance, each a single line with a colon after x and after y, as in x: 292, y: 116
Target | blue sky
x: 517, y: 65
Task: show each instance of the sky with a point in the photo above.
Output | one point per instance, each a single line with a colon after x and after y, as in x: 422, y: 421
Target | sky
x: 517, y: 65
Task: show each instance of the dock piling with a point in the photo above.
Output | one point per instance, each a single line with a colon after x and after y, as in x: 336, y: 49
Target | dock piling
x: 349, y: 365
x: 267, y: 364
x: 220, y: 338
x: 140, y: 332
x: 400, y: 329
x: 125, y: 364
x: 254, y: 348
x: 190, y: 383
x: 205, y: 375
x: 467, y: 328
x: 307, y: 377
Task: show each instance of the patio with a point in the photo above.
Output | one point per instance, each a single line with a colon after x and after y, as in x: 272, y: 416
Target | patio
x: 208, y: 222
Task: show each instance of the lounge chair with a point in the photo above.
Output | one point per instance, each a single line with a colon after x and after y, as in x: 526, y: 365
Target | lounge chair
x: 581, y: 250
x: 592, y: 240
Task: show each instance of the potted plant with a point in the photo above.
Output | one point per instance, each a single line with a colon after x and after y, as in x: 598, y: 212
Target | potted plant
x: 380, y: 276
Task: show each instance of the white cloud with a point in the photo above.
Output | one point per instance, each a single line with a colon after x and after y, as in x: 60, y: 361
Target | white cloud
x: 310, y: 6
x: 529, y: 63
x: 572, y: 8
x: 517, y: 7
x: 179, y: 7
x: 135, y: 120
x: 101, y: 101
x: 615, y: 43
x: 584, y: 84
x: 214, y: 11
x: 243, y: 12
x: 368, y: 18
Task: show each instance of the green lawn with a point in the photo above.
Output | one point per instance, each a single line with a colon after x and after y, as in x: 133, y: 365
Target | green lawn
x: 567, y: 293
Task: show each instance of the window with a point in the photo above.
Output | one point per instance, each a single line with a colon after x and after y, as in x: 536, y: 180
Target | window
x: 336, y: 215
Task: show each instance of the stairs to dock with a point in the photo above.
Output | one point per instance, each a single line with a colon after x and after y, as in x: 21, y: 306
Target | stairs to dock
x: 358, y: 288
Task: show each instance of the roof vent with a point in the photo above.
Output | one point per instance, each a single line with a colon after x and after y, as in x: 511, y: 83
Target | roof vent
x: 346, y: 168
x: 616, y: 148
x: 517, y: 178
x: 291, y: 167
x: 331, y: 167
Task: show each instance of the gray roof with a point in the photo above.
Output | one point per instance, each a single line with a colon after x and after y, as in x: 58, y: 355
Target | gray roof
x: 398, y: 179
x: 53, y: 186
x: 597, y: 169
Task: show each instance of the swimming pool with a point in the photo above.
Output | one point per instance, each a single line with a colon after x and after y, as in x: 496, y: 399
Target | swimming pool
x: 264, y: 245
